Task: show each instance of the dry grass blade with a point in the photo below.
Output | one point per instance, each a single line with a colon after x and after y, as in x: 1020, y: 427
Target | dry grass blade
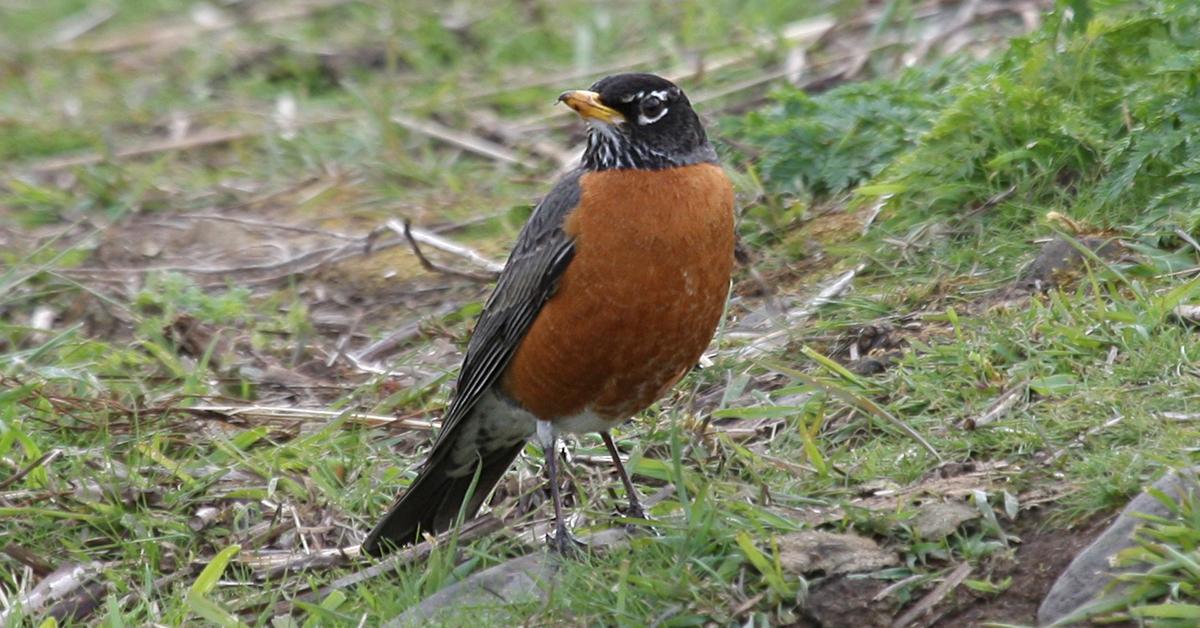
x: 931, y: 599
x: 286, y: 413
x: 492, y: 124
x: 460, y: 139
x: 273, y: 564
x: 860, y: 402
x: 1001, y: 407
x: 80, y: 24
x: 62, y: 585
x: 765, y: 343
x: 44, y: 459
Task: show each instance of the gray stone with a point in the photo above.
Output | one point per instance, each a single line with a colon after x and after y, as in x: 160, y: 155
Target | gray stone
x: 1092, y: 570
x: 518, y: 581
x: 938, y: 520
x: 513, y: 582
x: 812, y: 551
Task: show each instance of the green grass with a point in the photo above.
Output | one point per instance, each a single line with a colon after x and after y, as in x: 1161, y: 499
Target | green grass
x: 965, y: 159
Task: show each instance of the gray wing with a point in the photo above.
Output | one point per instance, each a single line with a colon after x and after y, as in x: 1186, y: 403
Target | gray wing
x: 530, y: 277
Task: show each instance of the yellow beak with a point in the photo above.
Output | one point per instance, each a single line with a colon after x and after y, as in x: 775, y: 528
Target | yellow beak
x: 588, y: 106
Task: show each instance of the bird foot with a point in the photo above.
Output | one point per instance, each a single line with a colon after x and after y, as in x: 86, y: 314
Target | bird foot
x: 645, y: 524
x: 634, y: 511
x: 564, y: 543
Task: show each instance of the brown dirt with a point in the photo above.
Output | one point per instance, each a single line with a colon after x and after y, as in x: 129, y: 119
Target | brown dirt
x: 1043, y: 553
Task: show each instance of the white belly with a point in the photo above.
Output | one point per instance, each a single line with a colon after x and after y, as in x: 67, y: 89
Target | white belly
x: 583, y: 423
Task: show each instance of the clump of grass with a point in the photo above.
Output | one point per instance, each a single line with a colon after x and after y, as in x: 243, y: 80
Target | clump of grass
x: 1100, y: 123
x: 817, y: 145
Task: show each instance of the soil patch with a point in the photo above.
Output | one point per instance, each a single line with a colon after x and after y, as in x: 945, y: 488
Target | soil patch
x: 1044, y: 552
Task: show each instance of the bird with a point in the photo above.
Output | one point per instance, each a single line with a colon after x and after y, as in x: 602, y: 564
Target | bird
x: 612, y: 292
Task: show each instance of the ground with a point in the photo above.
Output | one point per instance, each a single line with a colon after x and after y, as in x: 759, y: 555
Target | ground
x: 960, y: 335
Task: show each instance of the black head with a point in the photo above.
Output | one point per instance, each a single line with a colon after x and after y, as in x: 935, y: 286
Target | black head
x: 639, y: 121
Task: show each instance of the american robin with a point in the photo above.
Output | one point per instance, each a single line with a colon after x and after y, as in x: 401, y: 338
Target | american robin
x: 612, y: 292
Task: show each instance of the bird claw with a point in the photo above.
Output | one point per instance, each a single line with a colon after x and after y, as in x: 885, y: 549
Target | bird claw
x: 645, y: 524
x: 564, y: 543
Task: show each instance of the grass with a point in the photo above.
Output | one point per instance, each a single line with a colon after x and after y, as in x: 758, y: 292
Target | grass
x: 971, y: 163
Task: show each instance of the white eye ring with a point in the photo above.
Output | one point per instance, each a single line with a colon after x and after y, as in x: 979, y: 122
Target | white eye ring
x: 643, y: 120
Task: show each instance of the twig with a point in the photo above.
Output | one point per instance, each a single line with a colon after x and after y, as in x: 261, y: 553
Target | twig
x: 874, y: 213
x: 536, y: 145
x: 420, y: 235
x: 560, y: 78
x: 67, y: 580
x: 999, y: 408
x: 339, y: 349
x: 742, y: 86
x: 808, y: 30
x: 995, y: 200
x: 457, y: 138
x: 373, y: 369
x: 384, y: 346
x: 471, y: 531
x: 900, y: 584
x: 1079, y: 439
x: 160, y: 583
x: 28, y: 558
x: 44, y: 459
x: 266, y: 224
x: 858, y: 401
x: 272, y: 564
x: 935, y: 596
x: 81, y: 23
x: 748, y: 604
x: 309, y: 414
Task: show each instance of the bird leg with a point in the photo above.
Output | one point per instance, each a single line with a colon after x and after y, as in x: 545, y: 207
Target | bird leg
x: 563, y: 541
x: 635, y: 506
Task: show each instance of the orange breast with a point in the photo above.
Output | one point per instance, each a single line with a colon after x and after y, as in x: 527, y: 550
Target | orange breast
x: 639, y: 301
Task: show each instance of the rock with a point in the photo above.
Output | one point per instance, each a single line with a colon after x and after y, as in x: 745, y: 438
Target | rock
x: 491, y: 591
x: 845, y: 601
x: 1091, y: 569
x: 811, y: 551
x: 938, y: 520
x: 1059, y: 261
x: 513, y: 582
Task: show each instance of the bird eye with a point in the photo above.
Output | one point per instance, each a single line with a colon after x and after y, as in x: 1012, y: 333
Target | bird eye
x: 652, y: 107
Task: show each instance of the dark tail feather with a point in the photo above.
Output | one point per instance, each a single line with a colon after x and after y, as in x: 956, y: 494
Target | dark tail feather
x: 432, y: 503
